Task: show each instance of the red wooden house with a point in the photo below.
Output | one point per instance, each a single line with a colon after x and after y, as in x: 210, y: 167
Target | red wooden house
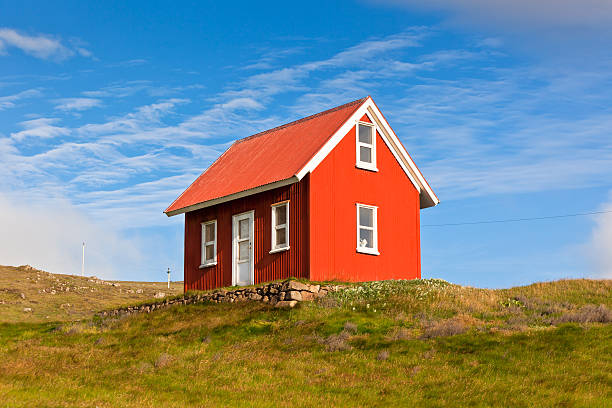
x: 331, y: 196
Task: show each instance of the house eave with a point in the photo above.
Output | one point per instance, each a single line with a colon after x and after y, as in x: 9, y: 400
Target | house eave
x: 234, y: 196
x: 426, y: 201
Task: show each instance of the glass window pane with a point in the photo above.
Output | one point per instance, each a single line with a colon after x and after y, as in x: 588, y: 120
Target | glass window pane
x: 243, y: 251
x: 365, y: 154
x: 281, y: 214
x: 366, y: 217
x: 365, y: 134
x: 210, y: 232
x: 243, y: 229
x: 281, y: 237
x: 366, y: 238
x: 210, y: 252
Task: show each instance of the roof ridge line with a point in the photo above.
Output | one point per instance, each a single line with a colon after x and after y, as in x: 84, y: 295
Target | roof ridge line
x: 325, y: 112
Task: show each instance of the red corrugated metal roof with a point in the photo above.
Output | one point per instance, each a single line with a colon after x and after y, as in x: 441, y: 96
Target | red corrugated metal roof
x: 267, y: 157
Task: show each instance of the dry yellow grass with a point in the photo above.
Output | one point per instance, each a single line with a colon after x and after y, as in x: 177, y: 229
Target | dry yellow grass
x: 31, y: 295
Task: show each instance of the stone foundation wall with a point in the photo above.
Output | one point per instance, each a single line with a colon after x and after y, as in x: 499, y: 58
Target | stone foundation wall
x: 284, y: 294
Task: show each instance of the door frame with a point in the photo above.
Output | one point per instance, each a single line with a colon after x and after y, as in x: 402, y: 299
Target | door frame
x: 235, y: 217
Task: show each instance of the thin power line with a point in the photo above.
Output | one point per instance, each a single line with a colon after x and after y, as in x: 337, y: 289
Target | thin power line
x: 517, y: 219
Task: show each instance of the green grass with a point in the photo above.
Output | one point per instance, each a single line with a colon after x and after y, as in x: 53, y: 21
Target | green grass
x: 393, y: 346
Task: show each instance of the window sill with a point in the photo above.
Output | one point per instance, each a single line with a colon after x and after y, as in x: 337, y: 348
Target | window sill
x: 368, y: 251
x: 279, y: 250
x: 207, y: 265
x: 366, y: 167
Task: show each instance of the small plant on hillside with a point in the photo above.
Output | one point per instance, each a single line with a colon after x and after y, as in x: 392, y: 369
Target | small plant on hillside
x: 376, y: 291
x: 383, y: 355
x: 512, y: 302
x: 443, y: 328
x: 587, y: 314
x: 350, y: 327
x: 163, y: 360
x: 337, y: 342
x: 400, y: 333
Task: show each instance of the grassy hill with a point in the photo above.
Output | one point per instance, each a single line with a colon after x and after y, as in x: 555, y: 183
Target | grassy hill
x: 403, y: 343
x: 31, y: 295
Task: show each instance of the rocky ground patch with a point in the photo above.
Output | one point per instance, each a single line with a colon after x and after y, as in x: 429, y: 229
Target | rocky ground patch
x: 284, y: 294
x: 28, y: 294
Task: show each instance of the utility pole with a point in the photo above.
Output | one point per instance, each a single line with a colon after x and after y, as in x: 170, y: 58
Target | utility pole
x: 168, y: 278
x: 83, y: 261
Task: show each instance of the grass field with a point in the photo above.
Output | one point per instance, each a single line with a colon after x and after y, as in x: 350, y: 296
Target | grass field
x: 31, y: 295
x: 417, y: 343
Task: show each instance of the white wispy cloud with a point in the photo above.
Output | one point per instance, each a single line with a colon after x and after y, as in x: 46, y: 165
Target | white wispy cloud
x: 39, y: 46
x: 77, y: 104
x: 369, y: 49
x: 128, y: 63
x: 242, y: 103
x: 137, y: 205
x: 145, y: 124
x: 95, y: 157
x: 484, y: 137
x: 293, y: 78
x: 120, y: 90
x: 267, y: 58
x: 43, y: 128
x: 490, y: 42
x: 10, y: 101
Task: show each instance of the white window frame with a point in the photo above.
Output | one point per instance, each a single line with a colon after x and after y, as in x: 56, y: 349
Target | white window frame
x: 275, y: 248
x: 361, y: 164
x: 206, y: 263
x: 374, y: 228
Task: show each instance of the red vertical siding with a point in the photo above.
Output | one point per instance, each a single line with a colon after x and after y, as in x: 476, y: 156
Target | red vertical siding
x: 294, y: 262
x: 336, y: 185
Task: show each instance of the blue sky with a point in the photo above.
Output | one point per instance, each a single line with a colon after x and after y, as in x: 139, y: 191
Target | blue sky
x: 108, y: 110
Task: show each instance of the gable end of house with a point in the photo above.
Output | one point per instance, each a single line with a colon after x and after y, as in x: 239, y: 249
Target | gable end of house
x: 427, y: 197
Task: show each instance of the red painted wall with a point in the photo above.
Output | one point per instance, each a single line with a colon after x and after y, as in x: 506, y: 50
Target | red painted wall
x: 268, y: 267
x: 336, y: 185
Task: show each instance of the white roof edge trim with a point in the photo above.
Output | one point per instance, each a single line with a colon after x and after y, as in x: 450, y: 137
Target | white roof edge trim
x: 332, y: 142
x: 388, y: 136
x: 393, y: 150
x: 402, y: 150
x: 234, y: 196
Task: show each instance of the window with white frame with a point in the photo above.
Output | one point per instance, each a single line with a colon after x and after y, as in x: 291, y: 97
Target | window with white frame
x: 209, y: 243
x: 367, y: 229
x: 366, y: 146
x: 280, y: 226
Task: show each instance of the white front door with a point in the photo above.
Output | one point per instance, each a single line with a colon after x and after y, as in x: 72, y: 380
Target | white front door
x: 242, y: 252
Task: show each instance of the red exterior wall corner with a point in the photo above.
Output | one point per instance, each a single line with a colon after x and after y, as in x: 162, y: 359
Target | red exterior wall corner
x: 336, y: 186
